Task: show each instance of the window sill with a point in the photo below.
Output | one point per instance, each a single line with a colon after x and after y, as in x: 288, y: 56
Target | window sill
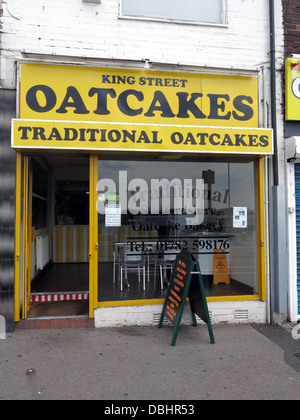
x: 180, y: 22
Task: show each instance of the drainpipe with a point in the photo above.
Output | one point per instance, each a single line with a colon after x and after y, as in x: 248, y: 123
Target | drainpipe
x: 273, y: 91
x: 279, y: 272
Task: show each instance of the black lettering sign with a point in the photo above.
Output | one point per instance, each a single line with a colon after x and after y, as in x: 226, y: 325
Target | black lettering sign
x: 131, y: 102
x: 73, y: 100
x: 32, y: 100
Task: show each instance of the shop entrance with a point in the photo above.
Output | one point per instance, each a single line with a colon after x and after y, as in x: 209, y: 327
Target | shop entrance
x: 53, y: 198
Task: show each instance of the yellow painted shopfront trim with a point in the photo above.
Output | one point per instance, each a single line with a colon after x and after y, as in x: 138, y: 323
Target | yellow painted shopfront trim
x: 23, y: 229
x: 93, y: 237
x: 144, y: 302
x: 30, y: 234
x: 261, y: 231
x: 24, y: 238
x: 18, y: 236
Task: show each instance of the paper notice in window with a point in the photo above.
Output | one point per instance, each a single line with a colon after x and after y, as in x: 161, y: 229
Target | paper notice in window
x: 239, y: 217
x: 113, y: 215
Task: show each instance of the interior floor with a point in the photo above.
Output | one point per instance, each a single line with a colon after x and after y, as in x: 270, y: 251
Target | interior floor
x: 57, y: 309
x: 109, y: 291
x: 62, y: 278
x: 132, y: 288
x: 75, y: 278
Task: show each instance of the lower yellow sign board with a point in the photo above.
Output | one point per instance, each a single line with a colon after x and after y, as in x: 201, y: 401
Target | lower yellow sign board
x: 41, y: 134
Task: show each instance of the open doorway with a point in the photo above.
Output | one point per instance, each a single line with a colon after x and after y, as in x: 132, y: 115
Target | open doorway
x: 59, y: 236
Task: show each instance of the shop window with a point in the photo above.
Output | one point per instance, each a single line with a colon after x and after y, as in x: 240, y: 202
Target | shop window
x: 193, y: 11
x: 150, y: 210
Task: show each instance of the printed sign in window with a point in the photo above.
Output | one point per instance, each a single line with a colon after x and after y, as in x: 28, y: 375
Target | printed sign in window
x: 239, y: 217
x: 113, y: 215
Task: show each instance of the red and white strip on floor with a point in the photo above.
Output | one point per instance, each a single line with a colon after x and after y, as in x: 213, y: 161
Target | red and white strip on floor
x: 59, y: 297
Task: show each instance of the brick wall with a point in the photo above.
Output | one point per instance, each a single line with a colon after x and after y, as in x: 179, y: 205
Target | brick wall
x: 291, y: 17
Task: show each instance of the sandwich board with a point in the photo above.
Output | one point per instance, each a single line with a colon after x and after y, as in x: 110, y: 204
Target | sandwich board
x: 185, y: 282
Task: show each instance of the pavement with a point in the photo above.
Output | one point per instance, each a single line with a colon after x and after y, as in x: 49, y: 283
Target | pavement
x: 247, y: 362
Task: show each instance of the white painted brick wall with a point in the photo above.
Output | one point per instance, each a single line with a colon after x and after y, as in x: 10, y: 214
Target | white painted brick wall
x: 149, y: 315
x: 72, y: 27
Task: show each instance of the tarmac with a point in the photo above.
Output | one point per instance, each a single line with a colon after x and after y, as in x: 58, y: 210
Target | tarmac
x: 114, y: 365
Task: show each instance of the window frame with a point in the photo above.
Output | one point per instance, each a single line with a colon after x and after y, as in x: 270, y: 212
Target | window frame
x: 224, y: 17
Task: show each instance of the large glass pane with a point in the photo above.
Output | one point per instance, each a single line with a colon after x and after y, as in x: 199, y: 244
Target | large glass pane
x: 189, y: 10
x: 149, y: 210
x: 39, y: 195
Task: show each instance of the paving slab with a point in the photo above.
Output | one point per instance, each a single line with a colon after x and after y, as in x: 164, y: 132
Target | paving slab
x: 139, y: 363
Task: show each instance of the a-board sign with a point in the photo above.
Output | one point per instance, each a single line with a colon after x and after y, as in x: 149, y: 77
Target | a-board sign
x: 185, y: 281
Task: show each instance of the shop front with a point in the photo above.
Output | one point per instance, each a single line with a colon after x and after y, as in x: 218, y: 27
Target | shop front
x: 118, y: 170
x: 292, y: 133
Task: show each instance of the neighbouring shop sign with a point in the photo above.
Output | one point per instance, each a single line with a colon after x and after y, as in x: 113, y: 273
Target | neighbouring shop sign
x: 292, y: 89
x: 41, y: 134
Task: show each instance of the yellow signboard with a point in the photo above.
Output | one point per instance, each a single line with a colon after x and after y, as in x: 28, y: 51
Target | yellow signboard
x: 63, y: 107
x: 292, y: 89
x: 74, y: 93
x: 41, y: 134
